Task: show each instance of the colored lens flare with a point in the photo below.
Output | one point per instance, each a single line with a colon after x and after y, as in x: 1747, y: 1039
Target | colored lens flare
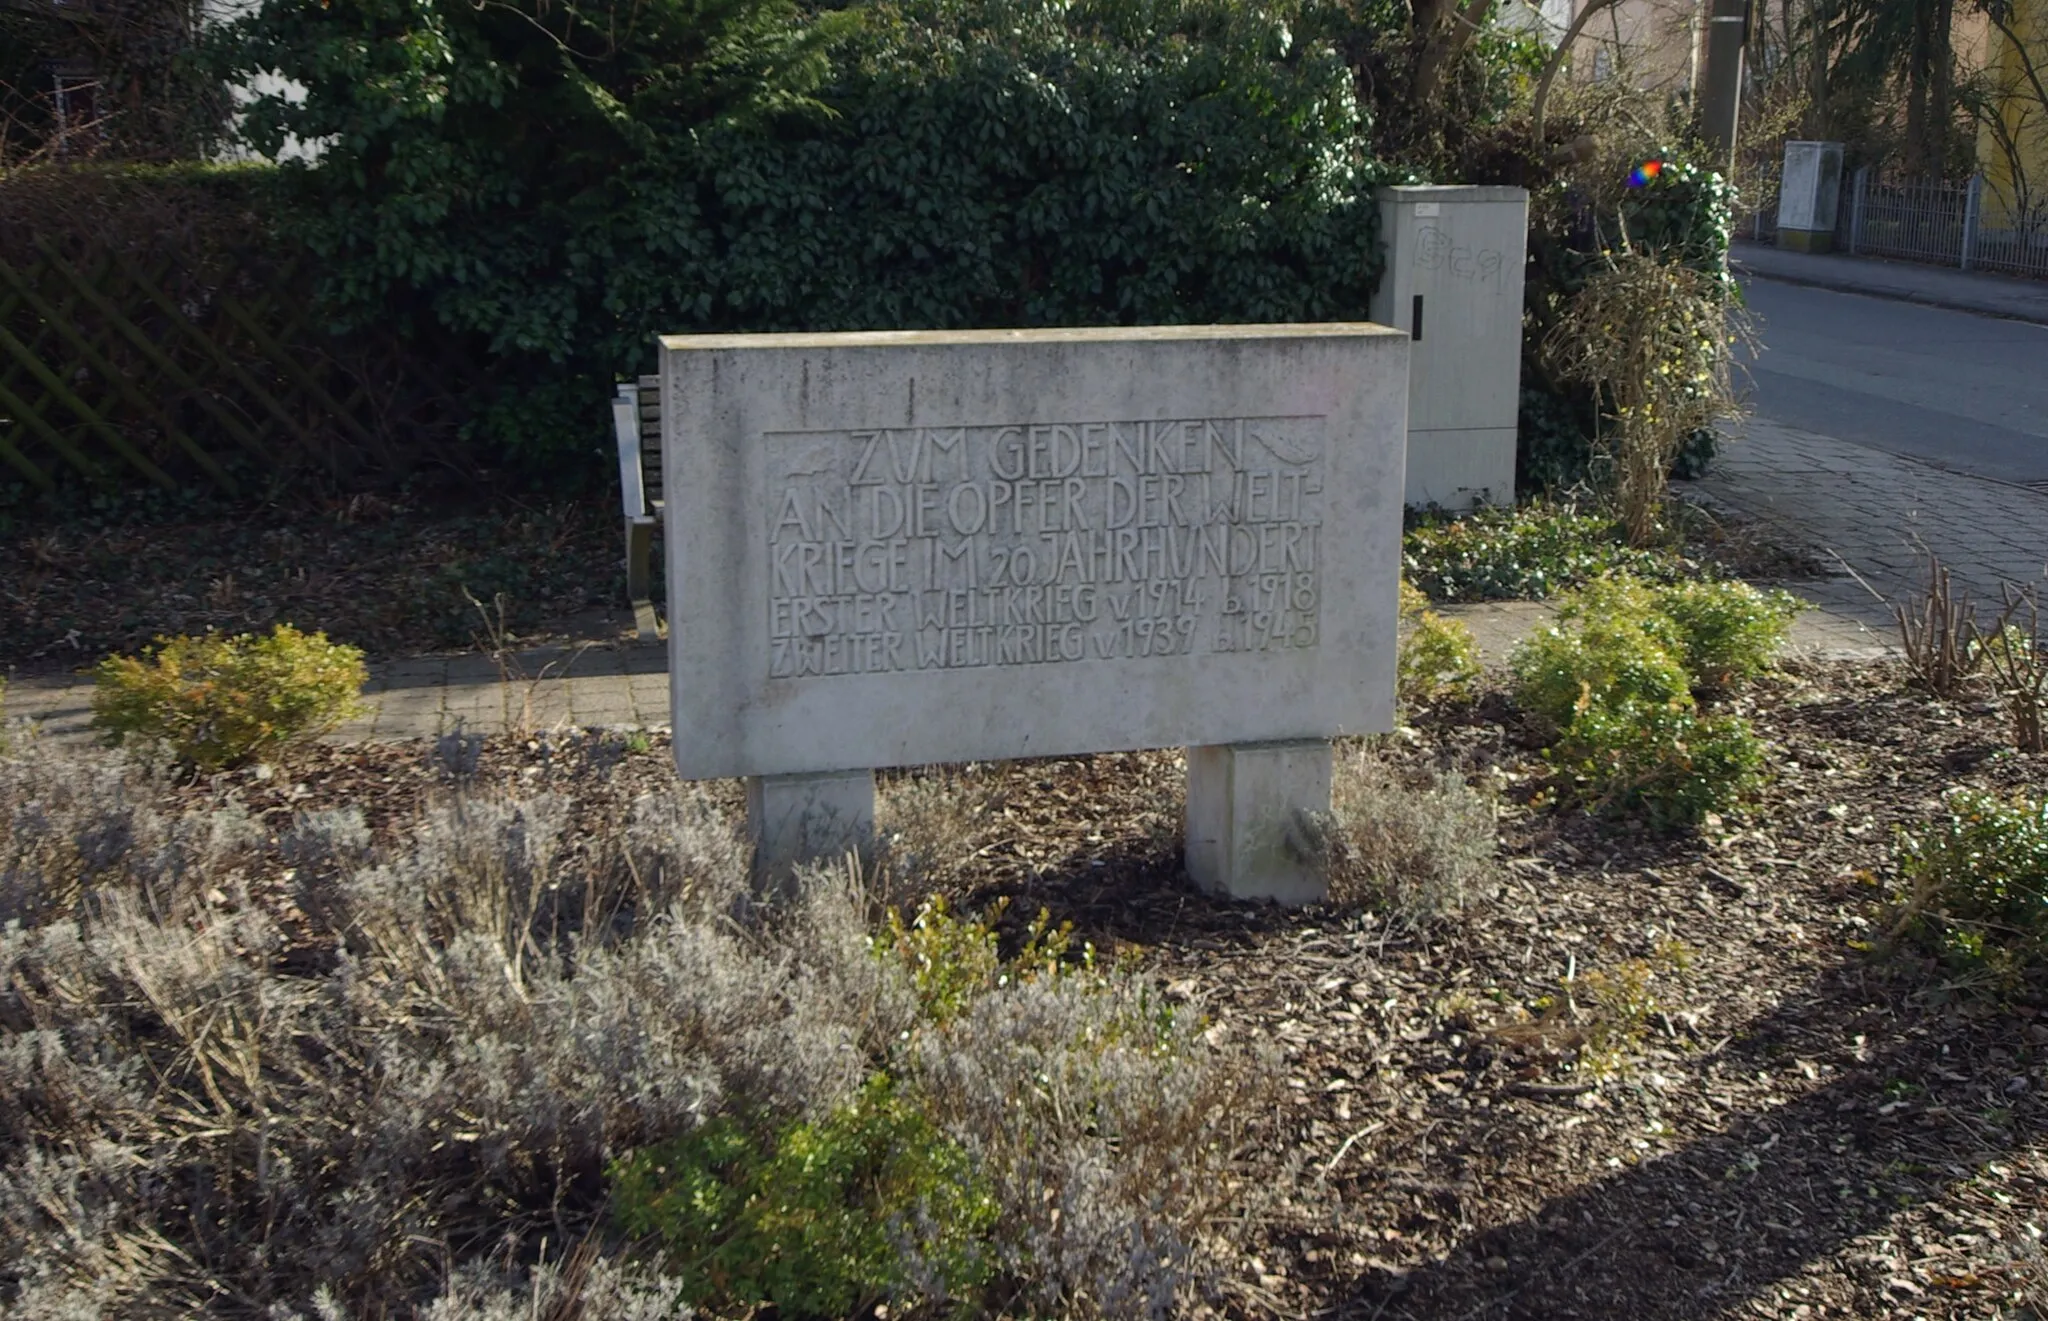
x: 1645, y: 172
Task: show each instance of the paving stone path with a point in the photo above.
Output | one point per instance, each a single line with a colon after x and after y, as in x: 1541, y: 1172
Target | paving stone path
x: 1864, y: 510
x: 1875, y: 516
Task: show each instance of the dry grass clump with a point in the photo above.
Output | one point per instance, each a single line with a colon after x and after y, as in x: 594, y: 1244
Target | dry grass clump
x: 1116, y: 1158
x: 304, y: 1074
x: 926, y: 826
x: 205, y: 1110
x: 1411, y: 844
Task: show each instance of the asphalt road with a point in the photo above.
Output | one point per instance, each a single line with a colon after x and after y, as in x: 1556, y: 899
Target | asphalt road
x: 1966, y: 392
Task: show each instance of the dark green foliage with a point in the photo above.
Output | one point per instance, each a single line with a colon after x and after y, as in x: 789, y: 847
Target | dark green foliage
x: 556, y: 183
x: 1976, y: 881
x: 1527, y: 552
x: 146, y: 97
x: 817, y: 1217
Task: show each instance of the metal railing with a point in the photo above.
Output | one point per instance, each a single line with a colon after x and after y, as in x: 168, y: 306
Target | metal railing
x: 1967, y: 225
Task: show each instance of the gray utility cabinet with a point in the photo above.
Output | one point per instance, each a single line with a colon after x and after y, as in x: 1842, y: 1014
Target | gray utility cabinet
x: 1454, y: 282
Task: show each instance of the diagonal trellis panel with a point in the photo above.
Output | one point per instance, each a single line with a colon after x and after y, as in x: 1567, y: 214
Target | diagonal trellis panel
x: 120, y: 368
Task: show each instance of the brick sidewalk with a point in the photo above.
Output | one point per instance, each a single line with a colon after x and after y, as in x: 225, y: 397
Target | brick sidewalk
x: 1875, y: 516
x: 613, y: 685
x: 1873, y: 510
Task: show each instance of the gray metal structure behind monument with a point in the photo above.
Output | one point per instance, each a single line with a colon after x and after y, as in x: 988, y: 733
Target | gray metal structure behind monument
x: 1453, y: 281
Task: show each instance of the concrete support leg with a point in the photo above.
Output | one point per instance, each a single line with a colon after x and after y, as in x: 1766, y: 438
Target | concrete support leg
x: 807, y: 818
x: 639, y: 576
x: 1247, y: 810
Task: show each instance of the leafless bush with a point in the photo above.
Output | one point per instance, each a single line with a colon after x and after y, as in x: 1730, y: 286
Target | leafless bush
x: 583, y: 1287
x: 1115, y: 1158
x: 1653, y: 337
x: 1936, y: 635
x: 926, y: 826
x: 1410, y: 846
x: 2011, y: 651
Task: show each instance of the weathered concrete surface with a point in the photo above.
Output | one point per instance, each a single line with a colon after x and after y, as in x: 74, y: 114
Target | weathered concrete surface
x: 895, y: 549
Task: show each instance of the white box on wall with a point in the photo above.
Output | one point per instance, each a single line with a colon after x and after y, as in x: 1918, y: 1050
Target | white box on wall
x: 1453, y: 281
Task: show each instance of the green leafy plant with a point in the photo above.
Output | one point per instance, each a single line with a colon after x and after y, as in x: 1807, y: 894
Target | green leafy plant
x: 216, y: 701
x: 1623, y: 655
x: 954, y: 959
x: 1730, y: 630
x: 552, y: 183
x: 1531, y: 551
x: 1670, y: 762
x: 1974, y: 882
x: 1615, y: 1006
x: 1437, y: 656
x: 1610, y: 689
x: 818, y: 1217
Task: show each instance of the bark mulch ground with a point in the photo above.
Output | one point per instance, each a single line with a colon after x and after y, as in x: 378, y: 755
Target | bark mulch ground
x: 1794, y: 1120
x: 388, y: 575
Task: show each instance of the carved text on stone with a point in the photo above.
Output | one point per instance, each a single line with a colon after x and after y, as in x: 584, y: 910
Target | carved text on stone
x: 947, y: 547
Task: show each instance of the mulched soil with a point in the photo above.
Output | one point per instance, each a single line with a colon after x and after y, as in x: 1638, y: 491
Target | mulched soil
x: 1808, y: 1125
x: 384, y: 574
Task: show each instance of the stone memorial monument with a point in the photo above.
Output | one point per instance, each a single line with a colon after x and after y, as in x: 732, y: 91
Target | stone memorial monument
x: 906, y: 548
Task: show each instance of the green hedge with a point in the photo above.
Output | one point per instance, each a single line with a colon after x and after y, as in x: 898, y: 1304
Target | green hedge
x: 555, y: 184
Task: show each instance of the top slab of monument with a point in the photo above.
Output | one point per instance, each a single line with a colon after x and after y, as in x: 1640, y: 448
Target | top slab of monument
x: 899, y: 548
x: 1060, y: 335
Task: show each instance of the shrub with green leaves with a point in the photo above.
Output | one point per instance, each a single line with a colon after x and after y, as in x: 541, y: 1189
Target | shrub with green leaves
x: 1974, y: 881
x: 953, y: 959
x: 1436, y: 657
x: 555, y: 182
x: 1608, y: 657
x: 217, y: 701
x: 1730, y: 630
x: 821, y: 1218
x: 1609, y: 687
x: 1670, y: 762
x: 1525, y: 552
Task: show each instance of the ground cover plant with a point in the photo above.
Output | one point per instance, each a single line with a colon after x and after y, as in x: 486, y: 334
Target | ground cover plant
x: 1973, y: 882
x: 1529, y: 551
x: 1622, y: 1073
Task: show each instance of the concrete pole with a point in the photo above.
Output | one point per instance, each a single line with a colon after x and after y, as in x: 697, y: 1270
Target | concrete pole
x: 1721, y: 97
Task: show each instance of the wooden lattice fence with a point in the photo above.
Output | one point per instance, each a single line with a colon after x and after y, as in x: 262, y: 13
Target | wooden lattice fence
x: 124, y: 363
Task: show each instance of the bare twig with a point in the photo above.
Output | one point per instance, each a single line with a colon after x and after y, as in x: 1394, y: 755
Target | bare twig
x: 2013, y: 654
x: 1937, y: 636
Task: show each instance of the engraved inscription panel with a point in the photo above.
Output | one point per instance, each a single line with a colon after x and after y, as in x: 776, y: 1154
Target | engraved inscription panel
x: 922, y: 548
